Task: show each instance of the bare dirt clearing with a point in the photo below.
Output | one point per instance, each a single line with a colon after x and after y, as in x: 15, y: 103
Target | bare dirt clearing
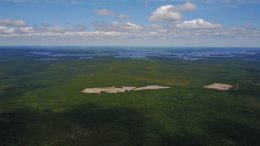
x: 122, y: 89
x: 219, y: 86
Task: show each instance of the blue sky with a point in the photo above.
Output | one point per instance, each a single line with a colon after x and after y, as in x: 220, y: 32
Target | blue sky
x: 226, y: 23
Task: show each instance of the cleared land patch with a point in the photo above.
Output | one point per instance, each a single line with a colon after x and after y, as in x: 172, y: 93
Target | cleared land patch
x: 122, y: 89
x: 219, y: 86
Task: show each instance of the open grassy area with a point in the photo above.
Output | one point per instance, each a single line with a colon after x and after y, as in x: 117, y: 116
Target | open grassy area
x: 41, y: 103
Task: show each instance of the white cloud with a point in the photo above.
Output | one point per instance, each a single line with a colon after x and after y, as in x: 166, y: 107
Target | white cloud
x: 170, y: 13
x: 24, y: 30
x: 10, y: 26
x: 128, y: 31
x: 198, y: 24
x: 12, y: 30
x: 56, y: 29
x: 187, y: 7
x: 147, y: 2
x: 132, y: 26
x: 10, y: 22
x: 5, y: 30
x: 156, y: 29
x: 104, y: 12
x: 47, y: 1
x: 122, y: 17
x: 117, y: 27
x: 162, y: 14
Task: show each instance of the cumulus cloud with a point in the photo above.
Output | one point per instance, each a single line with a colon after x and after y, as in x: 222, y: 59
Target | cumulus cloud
x: 104, y: 12
x: 197, y: 28
x: 186, y: 7
x: 6, y: 30
x: 175, y: 27
x: 163, y: 14
x: 11, y: 30
x: 198, y: 24
x: 171, y: 13
x: 117, y: 26
x: 48, y: 28
x: 217, y: 2
x: 47, y: 1
x: 122, y: 17
x: 10, y: 22
x: 10, y: 26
